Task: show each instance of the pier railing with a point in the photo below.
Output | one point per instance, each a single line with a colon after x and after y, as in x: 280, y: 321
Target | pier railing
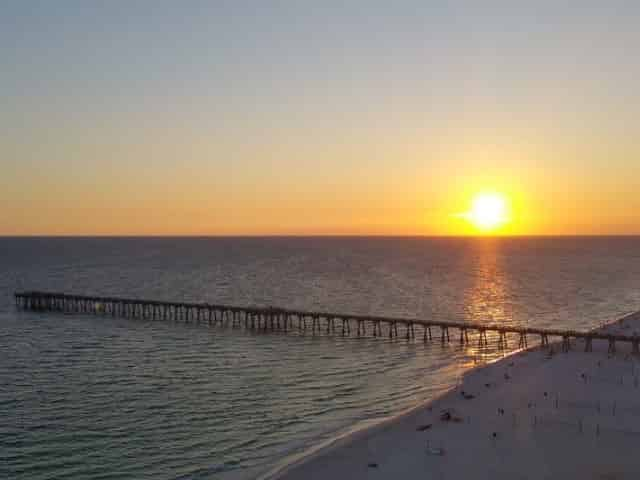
x: 281, y: 319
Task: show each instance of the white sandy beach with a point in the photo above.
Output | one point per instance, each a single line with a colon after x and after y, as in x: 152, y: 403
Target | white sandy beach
x: 532, y: 415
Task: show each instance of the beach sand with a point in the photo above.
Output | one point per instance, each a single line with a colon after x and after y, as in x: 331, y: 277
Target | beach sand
x: 531, y: 415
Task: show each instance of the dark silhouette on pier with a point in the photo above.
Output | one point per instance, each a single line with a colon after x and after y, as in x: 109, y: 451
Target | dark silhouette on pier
x: 280, y: 319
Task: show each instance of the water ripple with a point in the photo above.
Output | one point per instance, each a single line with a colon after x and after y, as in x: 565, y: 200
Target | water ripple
x: 106, y: 398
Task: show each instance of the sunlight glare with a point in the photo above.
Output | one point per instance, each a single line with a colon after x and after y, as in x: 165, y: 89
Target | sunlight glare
x: 488, y: 211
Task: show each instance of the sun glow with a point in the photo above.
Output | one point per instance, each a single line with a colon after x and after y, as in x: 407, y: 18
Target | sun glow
x: 488, y: 211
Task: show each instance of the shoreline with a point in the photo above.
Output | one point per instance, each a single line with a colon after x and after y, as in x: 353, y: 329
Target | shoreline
x: 364, y: 428
x: 357, y: 432
x: 320, y: 461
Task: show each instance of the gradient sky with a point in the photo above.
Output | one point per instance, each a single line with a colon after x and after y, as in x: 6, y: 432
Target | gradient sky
x: 301, y: 117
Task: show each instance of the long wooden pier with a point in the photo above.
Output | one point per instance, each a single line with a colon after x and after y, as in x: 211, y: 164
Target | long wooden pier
x: 280, y: 319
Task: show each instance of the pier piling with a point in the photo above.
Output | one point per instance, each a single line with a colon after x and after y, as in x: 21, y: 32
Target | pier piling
x: 279, y: 319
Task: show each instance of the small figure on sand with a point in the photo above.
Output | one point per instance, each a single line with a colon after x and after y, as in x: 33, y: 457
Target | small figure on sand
x: 448, y: 416
x: 467, y: 396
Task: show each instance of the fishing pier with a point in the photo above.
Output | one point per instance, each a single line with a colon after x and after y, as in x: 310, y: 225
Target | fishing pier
x: 269, y: 319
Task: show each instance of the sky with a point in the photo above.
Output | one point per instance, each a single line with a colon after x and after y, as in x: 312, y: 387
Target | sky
x: 329, y: 118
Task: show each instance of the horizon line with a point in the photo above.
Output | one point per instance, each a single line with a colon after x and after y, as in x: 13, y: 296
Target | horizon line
x: 320, y: 235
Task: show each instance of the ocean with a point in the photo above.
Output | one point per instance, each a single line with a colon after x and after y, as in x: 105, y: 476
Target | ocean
x: 100, y: 397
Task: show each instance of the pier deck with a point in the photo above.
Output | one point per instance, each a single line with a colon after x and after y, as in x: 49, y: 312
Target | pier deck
x: 280, y: 319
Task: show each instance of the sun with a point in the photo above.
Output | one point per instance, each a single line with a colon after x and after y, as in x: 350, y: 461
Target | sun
x: 488, y: 211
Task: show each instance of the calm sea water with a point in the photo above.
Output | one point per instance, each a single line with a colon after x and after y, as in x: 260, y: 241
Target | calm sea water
x: 96, y: 398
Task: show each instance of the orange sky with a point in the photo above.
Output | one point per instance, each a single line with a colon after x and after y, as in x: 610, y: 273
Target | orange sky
x: 325, y: 120
x: 399, y: 195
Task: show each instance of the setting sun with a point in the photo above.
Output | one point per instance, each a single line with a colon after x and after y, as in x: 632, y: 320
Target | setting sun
x: 488, y: 211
